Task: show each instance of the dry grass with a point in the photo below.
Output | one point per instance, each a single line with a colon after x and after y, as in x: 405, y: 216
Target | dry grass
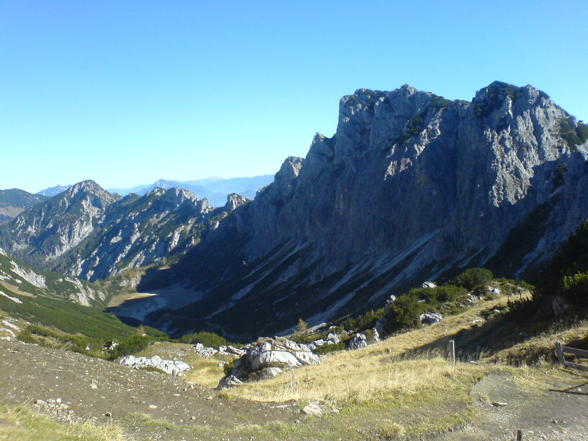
x: 540, y: 349
x: 378, y: 369
x: 18, y: 423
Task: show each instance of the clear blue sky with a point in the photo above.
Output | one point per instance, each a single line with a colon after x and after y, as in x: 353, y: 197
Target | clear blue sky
x: 126, y: 92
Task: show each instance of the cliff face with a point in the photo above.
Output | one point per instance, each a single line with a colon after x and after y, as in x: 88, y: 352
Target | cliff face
x: 410, y: 186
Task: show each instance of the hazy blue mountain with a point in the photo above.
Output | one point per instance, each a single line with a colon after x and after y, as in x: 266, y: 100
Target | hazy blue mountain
x: 53, y: 191
x: 214, y: 189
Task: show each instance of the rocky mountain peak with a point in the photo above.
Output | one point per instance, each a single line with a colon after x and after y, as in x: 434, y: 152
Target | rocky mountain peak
x: 89, y: 188
x: 410, y: 186
x: 234, y: 201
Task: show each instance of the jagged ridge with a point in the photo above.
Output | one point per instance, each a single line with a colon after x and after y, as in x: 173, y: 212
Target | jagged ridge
x: 410, y: 186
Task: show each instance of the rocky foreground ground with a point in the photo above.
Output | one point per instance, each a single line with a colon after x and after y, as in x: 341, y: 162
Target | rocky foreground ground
x: 151, y: 405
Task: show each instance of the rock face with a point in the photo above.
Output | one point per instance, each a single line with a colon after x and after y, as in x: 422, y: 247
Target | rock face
x: 268, y: 359
x: 50, y: 229
x: 89, y: 233
x: 409, y: 186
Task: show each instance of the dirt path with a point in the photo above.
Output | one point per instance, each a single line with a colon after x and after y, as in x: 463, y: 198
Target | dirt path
x: 85, y: 388
x: 558, y: 412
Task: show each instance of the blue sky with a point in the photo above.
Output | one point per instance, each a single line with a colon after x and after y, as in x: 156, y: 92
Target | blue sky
x: 126, y: 92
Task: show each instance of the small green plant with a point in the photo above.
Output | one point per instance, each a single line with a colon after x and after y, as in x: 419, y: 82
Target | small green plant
x: 472, y: 278
x: 301, y: 327
x: 228, y: 367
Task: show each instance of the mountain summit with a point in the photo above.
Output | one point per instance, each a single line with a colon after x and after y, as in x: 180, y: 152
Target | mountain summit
x: 410, y: 187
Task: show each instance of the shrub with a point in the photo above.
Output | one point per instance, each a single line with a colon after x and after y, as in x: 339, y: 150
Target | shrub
x: 364, y: 321
x: 131, y: 345
x: 206, y: 338
x: 228, y: 367
x: 302, y: 327
x: 575, y: 288
x: 404, y: 313
x: 573, y: 135
x: 325, y: 349
x: 472, y: 278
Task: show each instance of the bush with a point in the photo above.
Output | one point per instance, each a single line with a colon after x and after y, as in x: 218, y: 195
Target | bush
x: 325, y: 349
x: 131, y: 345
x: 472, y: 278
x: 404, y: 313
x: 228, y: 367
x: 364, y: 321
x: 575, y: 288
x: 207, y: 339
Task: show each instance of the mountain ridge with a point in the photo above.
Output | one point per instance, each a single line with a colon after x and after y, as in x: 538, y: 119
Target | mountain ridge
x: 410, y: 187
x: 90, y: 233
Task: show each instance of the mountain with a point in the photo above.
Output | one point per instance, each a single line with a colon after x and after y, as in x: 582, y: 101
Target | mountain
x: 215, y: 190
x: 50, y: 229
x: 410, y: 188
x: 53, y: 191
x: 15, y: 201
x: 90, y: 233
x: 21, y: 285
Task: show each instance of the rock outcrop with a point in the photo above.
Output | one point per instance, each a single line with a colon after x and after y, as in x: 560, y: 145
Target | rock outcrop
x: 172, y: 367
x: 267, y: 359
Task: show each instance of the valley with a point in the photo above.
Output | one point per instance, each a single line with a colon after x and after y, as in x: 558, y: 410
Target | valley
x: 321, y: 309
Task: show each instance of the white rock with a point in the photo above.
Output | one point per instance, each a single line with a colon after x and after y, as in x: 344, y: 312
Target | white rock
x: 312, y: 409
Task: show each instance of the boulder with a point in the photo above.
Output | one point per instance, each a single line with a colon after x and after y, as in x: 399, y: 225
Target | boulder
x: 333, y: 338
x: 358, y: 341
x: 429, y: 285
x: 204, y: 351
x: 428, y: 318
x: 268, y: 359
x: 312, y: 409
x: 235, y: 351
x: 228, y: 382
x: 376, y: 335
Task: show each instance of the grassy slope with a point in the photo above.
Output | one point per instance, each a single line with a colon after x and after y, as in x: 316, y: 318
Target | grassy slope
x: 18, y: 423
x: 400, y: 388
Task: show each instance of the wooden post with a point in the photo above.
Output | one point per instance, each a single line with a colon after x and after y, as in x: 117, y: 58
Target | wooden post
x: 451, y: 351
x: 559, y: 354
x: 519, y: 435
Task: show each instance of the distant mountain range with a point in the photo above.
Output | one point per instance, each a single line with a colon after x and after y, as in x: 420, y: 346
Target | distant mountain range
x: 214, y: 189
x: 90, y: 233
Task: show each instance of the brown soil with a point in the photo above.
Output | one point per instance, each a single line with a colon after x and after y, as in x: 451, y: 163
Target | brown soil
x: 31, y: 372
